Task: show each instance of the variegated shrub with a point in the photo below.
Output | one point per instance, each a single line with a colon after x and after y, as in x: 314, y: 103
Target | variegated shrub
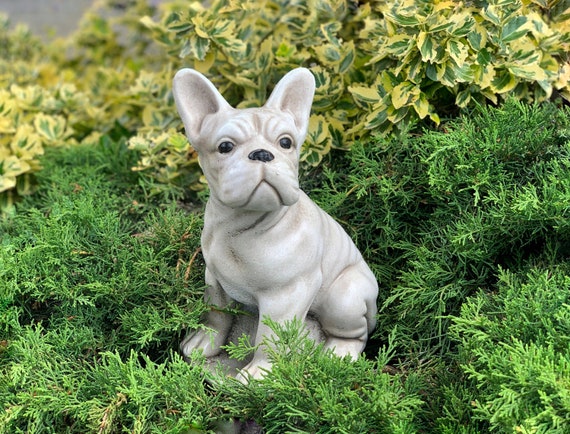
x: 379, y: 66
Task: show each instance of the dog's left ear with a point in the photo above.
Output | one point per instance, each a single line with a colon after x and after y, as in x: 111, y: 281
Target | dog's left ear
x: 294, y: 93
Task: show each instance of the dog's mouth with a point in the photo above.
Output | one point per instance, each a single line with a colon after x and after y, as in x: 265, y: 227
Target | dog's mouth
x: 266, y: 190
x: 264, y: 197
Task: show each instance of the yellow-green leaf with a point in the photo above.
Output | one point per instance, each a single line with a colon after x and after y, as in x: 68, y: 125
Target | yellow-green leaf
x: 178, y: 141
x: 514, y: 28
x: 530, y: 71
x: 204, y: 65
x: 503, y: 82
x: 463, y: 98
x: 421, y: 106
x: 463, y: 23
x: 404, y: 94
x: 328, y: 54
x: 7, y: 182
x: 483, y: 75
x: 399, y: 44
x: 26, y: 143
x: 457, y: 50
x: 348, y: 55
x: 51, y: 128
x: 363, y: 94
x: 428, y: 47
x: 13, y: 166
x: 491, y: 13
x: 318, y: 131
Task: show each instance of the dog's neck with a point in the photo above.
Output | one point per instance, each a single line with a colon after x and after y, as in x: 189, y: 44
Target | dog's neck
x: 237, y: 220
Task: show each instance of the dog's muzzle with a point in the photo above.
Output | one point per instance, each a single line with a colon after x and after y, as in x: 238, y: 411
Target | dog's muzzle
x: 261, y: 155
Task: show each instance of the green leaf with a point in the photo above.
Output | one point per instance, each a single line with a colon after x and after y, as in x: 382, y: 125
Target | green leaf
x: 457, y: 50
x: 403, y: 20
x: 504, y: 81
x: 477, y: 37
x: 514, y: 28
x: 428, y: 47
x: 483, y: 57
x: 364, y: 94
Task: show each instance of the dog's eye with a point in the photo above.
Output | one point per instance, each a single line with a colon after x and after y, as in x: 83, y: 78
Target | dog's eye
x: 225, y: 147
x: 285, y: 143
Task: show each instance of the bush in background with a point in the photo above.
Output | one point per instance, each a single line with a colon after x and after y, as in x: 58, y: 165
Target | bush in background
x: 379, y: 67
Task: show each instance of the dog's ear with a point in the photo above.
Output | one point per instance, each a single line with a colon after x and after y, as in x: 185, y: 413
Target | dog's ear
x: 294, y: 93
x: 196, y: 97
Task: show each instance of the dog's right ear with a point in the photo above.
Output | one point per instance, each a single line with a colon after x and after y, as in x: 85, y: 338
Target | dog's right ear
x: 195, y: 97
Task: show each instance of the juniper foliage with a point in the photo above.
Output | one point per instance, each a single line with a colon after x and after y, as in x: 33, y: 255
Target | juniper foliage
x: 437, y: 213
x: 466, y: 229
x: 516, y: 346
x: 94, y: 295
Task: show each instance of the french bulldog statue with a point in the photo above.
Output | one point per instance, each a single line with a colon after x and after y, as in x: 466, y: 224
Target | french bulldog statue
x: 264, y: 242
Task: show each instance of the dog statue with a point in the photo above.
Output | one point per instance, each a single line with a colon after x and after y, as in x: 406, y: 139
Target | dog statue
x: 265, y: 243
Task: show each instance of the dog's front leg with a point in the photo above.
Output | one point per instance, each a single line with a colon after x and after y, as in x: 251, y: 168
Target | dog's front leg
x: 217, y: 322
x: 282, y: 305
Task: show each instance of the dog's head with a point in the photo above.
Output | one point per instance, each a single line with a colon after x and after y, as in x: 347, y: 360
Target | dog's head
x: 249, y: 156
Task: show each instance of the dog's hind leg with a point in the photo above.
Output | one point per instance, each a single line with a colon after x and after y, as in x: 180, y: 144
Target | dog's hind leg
x: 347, y: 313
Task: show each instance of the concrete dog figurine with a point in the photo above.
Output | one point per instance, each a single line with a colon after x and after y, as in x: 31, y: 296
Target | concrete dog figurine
x: 265, y: 243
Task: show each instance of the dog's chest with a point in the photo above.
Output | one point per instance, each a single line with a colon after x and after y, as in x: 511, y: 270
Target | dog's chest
x: 241, y: 261
x: 248, y: 264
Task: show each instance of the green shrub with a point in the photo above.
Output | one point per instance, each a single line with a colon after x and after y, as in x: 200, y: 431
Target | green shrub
x: 441, y: 216
x: 97, y: 287
x: 96, y: 290
x: 437, y: 214
x: 515, y: 345
x: 312, y: 390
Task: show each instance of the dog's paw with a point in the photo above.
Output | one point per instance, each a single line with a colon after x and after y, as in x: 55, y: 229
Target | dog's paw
x: 205, y: 341
x: 255, y: 369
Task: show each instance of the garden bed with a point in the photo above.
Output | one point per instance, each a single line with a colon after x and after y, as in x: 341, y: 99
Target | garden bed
x: 467, y: 231
x: 465, y: 221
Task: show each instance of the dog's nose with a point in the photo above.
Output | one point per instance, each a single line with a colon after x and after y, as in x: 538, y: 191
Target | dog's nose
x: 261, y: 155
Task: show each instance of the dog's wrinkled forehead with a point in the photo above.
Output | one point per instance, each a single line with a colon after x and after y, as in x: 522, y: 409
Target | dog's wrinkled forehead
x: 245, y: 124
